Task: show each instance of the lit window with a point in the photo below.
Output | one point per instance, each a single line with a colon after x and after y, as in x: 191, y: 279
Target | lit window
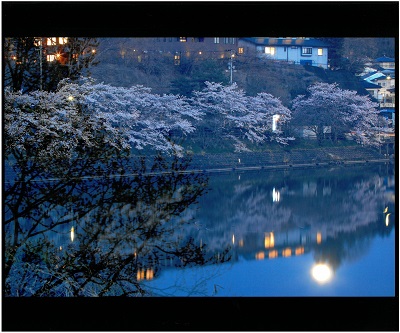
x: 320, y: 52
x: 51, y: 57
x: 38, y: 42
x: 182, y: 39
x: 240, y: 50
x: 216, y: 40
x: 269, y: 50
x: 62, y: 40
x: 52, y: 41
x: 306, y: 50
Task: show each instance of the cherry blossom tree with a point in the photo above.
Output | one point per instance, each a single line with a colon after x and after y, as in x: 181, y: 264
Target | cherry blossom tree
x: 230, y: 114
x: 343, y: 111
x: 84, y: 115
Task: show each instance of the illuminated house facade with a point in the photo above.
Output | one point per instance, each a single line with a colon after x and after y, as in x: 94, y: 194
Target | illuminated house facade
x: 57, y: 49
x: 299, y: 51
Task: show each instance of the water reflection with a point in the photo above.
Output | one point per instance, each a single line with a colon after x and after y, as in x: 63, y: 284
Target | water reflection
x: 123, y: 231
x: 79, y: 235
x: 333, y: 215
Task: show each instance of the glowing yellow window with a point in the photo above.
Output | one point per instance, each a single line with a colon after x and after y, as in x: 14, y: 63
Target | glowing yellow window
x: 320, y: 52
x: 52, y: 41
x: 62, y: 40
x: 269, y: 50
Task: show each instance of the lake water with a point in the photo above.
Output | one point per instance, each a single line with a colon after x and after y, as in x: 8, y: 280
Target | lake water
x: 318, y: 232
x: 296, y: 232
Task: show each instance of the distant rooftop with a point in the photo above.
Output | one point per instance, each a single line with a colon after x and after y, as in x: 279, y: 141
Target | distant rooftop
x: 384, y: 59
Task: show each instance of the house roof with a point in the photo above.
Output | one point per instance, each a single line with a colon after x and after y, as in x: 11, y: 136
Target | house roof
x: 372, y: 76
x: 271, y: 41
x: 369, y: 85
x: 384, y: 59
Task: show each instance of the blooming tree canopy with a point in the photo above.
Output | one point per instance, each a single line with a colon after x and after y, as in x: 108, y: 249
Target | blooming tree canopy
x: 90, y: 114
x: 344, y: 111
x: 227, y: 108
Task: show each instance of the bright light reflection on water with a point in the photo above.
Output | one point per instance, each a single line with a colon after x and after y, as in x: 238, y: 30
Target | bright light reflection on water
x: 322, y: 273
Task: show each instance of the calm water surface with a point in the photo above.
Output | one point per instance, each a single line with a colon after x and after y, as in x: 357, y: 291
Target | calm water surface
x: 297, y: 232
x: 320, y: 232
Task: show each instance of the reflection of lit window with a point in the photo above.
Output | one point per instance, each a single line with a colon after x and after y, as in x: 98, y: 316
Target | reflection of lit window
x: 149, y: 274
x: 269, y: 50
x: 387, y: 219
x: 177, y: 59
x: 299, y: 251
x: 273, y: 254
x: 276, y: 196
x: 240, y: 50
x: 233, y: 239
x: 241, y: 243
x: 269, y: 240
x: 140, y: 274
x: 52, y: 41
x: 319, y: 238
x: 72, y: 234
x: 287, y: 252
x: 260, y: 255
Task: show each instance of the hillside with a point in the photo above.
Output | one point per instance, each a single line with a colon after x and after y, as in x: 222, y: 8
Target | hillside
x: 282, y: 80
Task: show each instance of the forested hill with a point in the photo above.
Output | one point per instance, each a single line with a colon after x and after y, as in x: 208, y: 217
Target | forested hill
x: 158, y: 72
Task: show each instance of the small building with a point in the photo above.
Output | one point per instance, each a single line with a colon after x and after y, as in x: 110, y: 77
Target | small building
x: 299, y: 51
x: 385, y: 62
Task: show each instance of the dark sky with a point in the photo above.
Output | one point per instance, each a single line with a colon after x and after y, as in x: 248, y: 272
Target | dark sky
x: 201, y: 18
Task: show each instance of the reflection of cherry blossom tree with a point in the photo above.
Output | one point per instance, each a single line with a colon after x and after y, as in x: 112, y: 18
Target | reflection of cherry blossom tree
x: 124, y: 228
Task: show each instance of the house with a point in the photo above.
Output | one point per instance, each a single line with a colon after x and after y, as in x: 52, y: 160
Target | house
x: 299, y: 51
x: 55, y: 49
x: 385, y: 62
x: 372, y: 88
x: 381, y: 85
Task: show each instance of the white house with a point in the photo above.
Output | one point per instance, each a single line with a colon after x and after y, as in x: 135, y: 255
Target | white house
x: 301, y: 51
